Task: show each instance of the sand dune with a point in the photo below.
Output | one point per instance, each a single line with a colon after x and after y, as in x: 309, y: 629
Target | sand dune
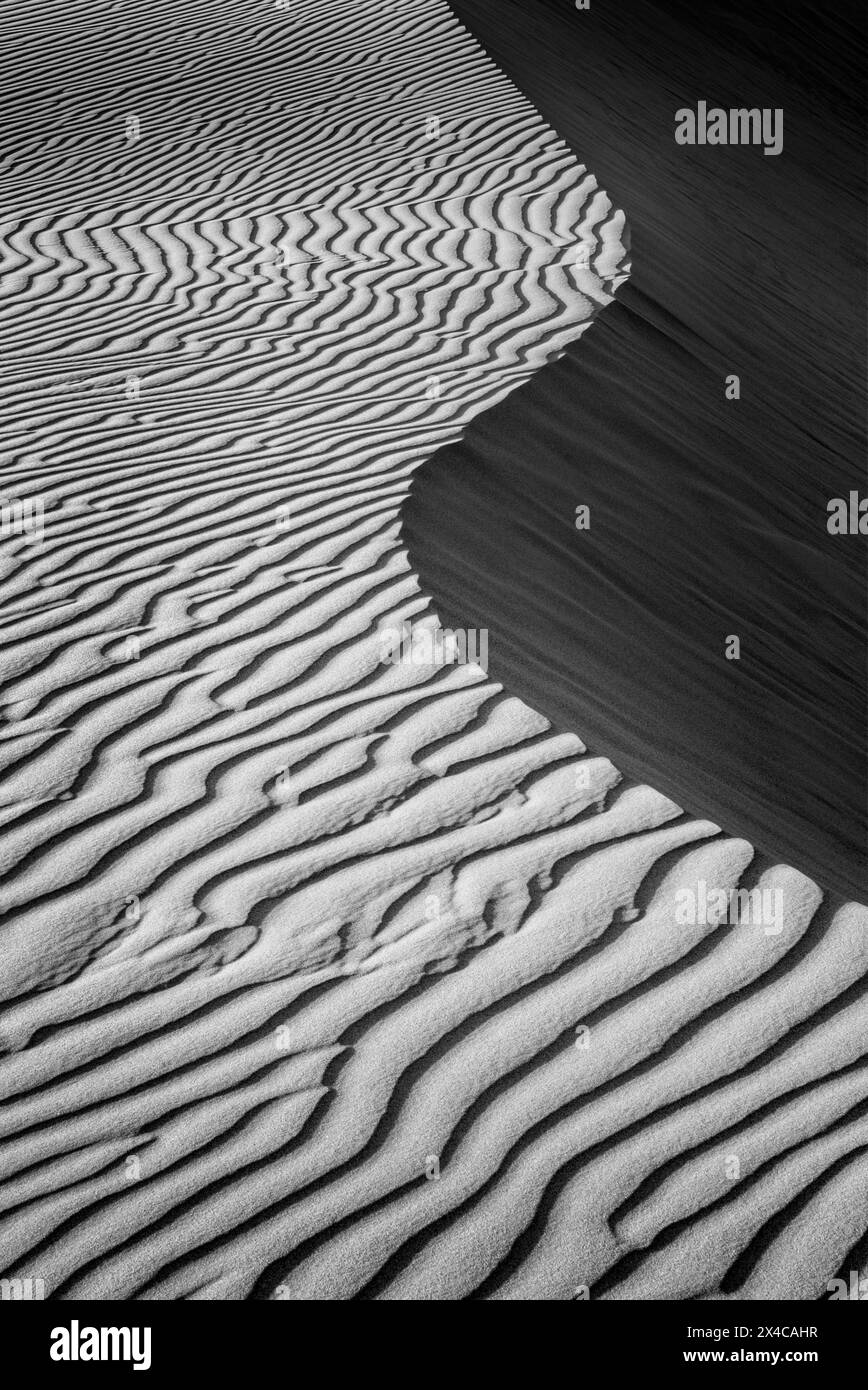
x: 324, y: 976
x: 708, y: 515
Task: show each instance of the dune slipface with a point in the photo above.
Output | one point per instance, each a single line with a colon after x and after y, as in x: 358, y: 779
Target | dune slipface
x: 325, y: 974
x: 707, y: 513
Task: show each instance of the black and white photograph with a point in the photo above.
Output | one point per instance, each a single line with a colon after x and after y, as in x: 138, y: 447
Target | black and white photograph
x: 434, y: 680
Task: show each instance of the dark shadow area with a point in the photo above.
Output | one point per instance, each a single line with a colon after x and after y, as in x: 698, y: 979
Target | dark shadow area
x: 708, y: 515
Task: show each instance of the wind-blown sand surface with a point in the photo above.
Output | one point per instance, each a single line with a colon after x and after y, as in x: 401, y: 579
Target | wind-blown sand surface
x: 324, y: 977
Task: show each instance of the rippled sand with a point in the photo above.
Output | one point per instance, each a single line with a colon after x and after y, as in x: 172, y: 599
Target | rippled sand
x: 322, y: 976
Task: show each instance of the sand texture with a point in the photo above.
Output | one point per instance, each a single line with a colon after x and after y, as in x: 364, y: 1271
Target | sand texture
x: 326, y: 977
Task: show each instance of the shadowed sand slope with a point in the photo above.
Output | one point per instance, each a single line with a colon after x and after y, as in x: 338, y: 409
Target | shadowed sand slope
x: 325, y: 976
x: 707, y: 515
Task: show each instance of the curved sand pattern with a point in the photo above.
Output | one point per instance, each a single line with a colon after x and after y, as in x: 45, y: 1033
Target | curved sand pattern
x: 295, y: 944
